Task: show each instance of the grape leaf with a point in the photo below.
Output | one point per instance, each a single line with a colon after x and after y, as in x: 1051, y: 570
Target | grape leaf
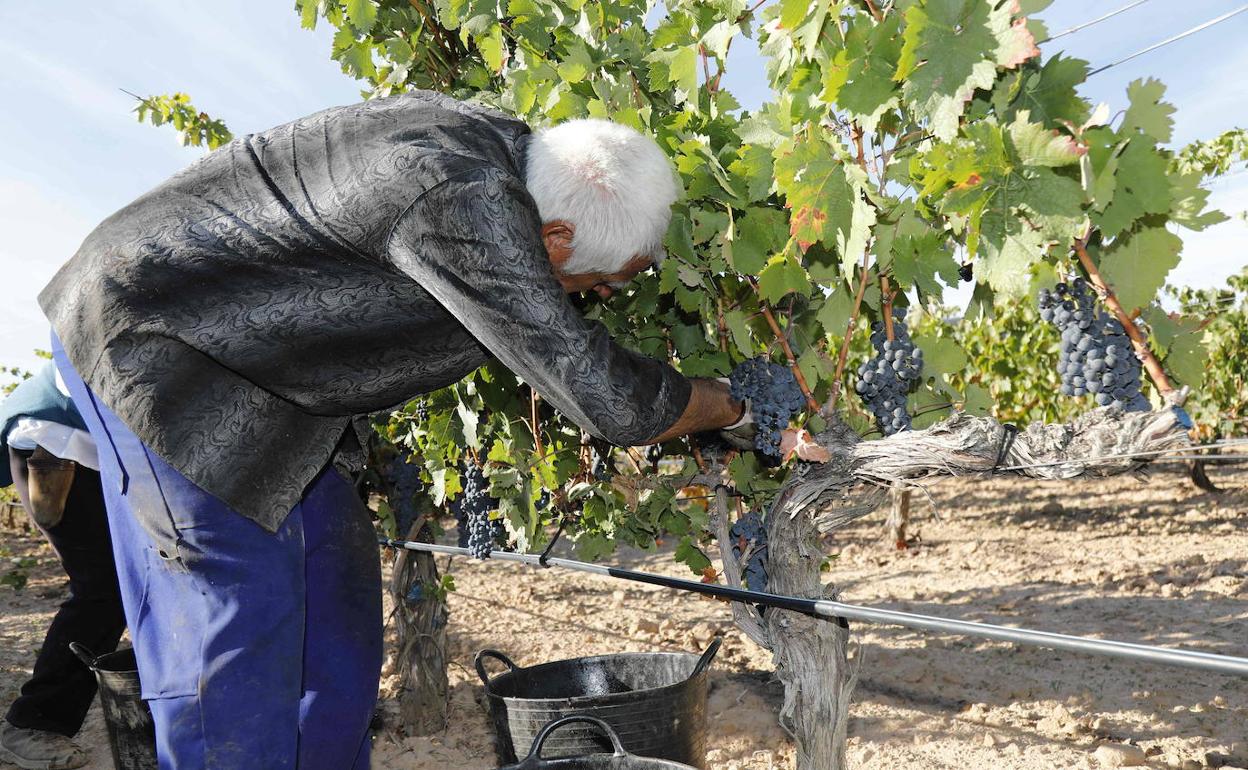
x: 362, y: 14
x: 676, y: 67
x: 781, y: 276
x: 754, y: 166
x: 739, y: 329
x: 1141, y: 186
x: 1035, y: 145
x: 1048, y: 92
x: 718, y: 37
x: 859, y: 79
x: 1136, y: 265
x: 759, y: 234
x: 1190, y: 206
x: 1006, y: 255
x: 1148, y: 113
x: 793, y: 12
x: 816, y: 190
x: 948, y: 52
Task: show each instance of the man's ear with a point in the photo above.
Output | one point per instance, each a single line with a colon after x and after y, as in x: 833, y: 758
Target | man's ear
x: 557, y: 236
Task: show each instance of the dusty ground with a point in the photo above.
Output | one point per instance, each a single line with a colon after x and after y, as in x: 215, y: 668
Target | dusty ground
x: 1155, y: 562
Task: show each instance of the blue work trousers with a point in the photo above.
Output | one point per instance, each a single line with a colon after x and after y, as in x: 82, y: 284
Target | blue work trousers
x: 256, y: 649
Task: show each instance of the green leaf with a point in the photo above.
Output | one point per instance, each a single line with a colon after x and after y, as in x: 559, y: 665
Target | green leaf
x: 491, y: 47
x: 576, y: 64
x: 357, y: 61
x: 1049, y: 94
x: 1135, y: 266
x: 1190, y: 206
x: 1141, y: 187
x: 1036, y: 145
x: 678, y: 67
x: 1007, y: 254
x: 793, y: 12
x: 948, y: 52
x: 833, y: 317
x: 859, y: 79
x: 362, y: 14
x: 689, y: 554
x: 781, y: 276
x: 1148, y: 114
x: 759, y: 234
x: 740, y: 330
x: 718, y: 37
x: 754, y: 165
x: 688, y: 338
x: 308, y: 13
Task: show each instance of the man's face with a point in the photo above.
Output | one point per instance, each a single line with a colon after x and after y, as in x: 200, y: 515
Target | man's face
x: 557, y: 236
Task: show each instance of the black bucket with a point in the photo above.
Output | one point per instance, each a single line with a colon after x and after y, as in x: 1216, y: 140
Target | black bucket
x: 618, y: 759
x: 131, y: 732
x: 655, y: 703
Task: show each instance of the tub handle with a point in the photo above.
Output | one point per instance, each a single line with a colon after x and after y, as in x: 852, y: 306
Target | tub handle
x: 534, y: 759
x: 704, y: 662
x: 86, y: 656
x: 496, y: 655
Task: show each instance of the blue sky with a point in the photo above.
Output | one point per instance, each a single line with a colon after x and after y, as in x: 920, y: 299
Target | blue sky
x: 71, y: 152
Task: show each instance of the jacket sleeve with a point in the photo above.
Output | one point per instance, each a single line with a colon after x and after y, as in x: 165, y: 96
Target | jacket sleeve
x: 474, y: 243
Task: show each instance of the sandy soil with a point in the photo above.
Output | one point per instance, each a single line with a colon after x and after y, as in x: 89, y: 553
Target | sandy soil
x: 1153, y: 561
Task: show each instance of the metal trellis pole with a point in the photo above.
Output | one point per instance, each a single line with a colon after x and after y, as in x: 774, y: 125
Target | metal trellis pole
x: 1205, y: 661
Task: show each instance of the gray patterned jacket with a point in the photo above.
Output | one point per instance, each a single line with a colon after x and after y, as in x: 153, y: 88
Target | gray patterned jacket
x: 244, y: 314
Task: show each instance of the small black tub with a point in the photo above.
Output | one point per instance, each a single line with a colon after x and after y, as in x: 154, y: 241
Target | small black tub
x: 618, y: 759
x: 654, y: 702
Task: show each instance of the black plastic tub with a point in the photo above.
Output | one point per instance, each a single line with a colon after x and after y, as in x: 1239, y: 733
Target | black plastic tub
x: 617, y: 759
x: 131, y: 732
x: 654, y: 702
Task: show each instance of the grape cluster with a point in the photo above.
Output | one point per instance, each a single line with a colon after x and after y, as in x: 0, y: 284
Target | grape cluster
x: 476, y: 532
x: 1096, y: 355
x: 774, y: 398
x: 893, y: 372
x: 404, y: 481
x: 422, y: 411
x: 749, y: 533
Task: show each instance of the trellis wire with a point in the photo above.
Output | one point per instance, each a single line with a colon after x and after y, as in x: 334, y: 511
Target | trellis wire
x: 1097, y: 20
x: 1170, y: 40
x: 1224, y: 664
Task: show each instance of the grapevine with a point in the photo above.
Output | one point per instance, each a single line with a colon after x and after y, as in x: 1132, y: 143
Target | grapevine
x: 773, y: 395
x: 1096, y: 355
x: 749, y: 538
x: 886, y: 379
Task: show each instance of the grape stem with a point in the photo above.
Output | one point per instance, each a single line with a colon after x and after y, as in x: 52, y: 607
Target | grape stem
x: 1151, y: 364
x: 841, y: 357
x: 536, y: 426
x: 788, y: 351
x: 888, y: 307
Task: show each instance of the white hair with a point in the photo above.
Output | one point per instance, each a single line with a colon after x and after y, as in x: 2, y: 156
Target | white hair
x: 612, y: 183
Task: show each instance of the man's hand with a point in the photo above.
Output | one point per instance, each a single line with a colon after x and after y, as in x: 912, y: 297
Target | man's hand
x: 741, y: 433
x: 710, y: 406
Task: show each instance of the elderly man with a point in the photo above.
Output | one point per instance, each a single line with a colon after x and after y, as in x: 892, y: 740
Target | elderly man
x: 226, y: 332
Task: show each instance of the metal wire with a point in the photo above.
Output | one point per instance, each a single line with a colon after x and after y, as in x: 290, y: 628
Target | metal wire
x: 1170, y: 40
x: 1224, y: 664
x: 1097, y: 20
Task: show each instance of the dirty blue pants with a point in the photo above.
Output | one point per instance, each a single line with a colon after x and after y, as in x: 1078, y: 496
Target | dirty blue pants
x: 256, y: 649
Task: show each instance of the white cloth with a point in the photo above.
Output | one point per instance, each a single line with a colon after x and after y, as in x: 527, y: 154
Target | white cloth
x: 65, y: 442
